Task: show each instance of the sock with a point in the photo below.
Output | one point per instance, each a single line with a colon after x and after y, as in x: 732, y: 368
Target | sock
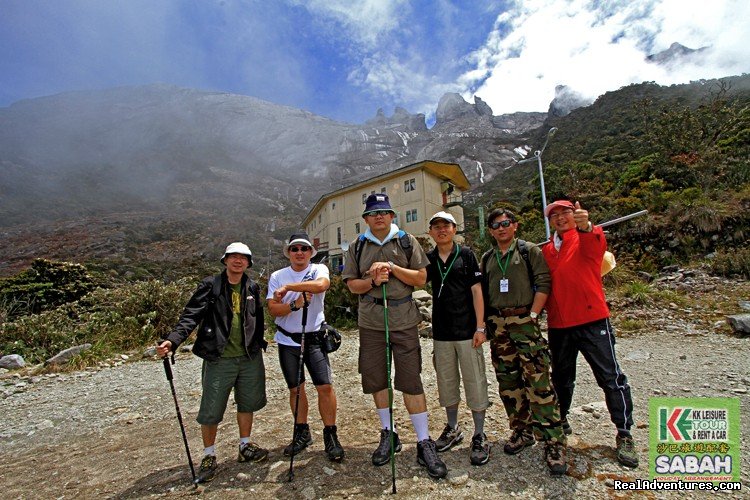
x: 478, y: 417
x: 452, y: 414
x: 421, y: 425
x: 211, y: 450
x: 244, y: 440
x: 385, y: 419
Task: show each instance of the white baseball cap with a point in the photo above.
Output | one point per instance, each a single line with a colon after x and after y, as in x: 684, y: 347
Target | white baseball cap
x: 444, y: 216
x: 240, y: 248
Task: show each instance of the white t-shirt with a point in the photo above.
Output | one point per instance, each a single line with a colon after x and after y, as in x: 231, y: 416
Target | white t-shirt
x: 292, y: 322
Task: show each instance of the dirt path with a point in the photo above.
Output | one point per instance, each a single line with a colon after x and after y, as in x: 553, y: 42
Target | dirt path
x: 113, y: 432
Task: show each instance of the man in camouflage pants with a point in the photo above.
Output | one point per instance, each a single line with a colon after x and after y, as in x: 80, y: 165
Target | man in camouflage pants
x: 516, y: 283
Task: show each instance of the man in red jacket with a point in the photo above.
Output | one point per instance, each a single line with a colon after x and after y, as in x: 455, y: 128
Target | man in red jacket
x: 578, y: 319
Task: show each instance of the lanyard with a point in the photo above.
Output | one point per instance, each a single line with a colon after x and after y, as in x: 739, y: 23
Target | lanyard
x: 503, y: 267
x: 444, y: 275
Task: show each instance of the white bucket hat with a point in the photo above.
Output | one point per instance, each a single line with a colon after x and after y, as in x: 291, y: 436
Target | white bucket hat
x: 240, y: 248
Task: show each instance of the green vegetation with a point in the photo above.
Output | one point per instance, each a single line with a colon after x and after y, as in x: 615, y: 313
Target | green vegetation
x: 682, y: 152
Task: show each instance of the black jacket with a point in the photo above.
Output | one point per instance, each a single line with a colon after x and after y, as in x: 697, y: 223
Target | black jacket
x: 215, y: 319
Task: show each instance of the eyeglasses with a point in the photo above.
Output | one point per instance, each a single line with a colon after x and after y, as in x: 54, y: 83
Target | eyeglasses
x: 503, y: 223
x: 561, y: 213
x: 379, y: 212
x: 299, y: 249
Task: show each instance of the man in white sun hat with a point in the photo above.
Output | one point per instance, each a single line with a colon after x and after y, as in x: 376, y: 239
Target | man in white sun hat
x: 228, y: 313
x: 291, y: 289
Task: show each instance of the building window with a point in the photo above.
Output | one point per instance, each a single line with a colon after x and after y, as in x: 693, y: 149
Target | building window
x: 382, y: 190
x: 411, y: 215
x: 320, y: 217
x: 356, y: 227
x: 333, y: 206
x: 364, y: 198
x: 338, y: 235
x: 410, y: 185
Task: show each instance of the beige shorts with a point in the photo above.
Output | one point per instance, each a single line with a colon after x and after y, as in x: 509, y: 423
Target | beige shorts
x: 407, y: 361
x: 450, y: 357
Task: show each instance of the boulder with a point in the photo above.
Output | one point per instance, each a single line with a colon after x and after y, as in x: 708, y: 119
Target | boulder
x: 740, y: 323
x: 12, y: 361
x: 63, y: 357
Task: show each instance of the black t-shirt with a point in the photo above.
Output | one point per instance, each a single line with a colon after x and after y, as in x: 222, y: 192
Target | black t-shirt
x: 453, y: 316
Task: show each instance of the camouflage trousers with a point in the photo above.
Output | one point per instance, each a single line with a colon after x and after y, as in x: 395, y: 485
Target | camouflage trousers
x: 522, y: 366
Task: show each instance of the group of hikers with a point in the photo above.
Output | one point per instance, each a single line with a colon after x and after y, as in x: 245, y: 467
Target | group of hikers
x: 497, y: 299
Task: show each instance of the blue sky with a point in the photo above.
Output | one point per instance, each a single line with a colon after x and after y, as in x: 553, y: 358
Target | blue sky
x: 343, y: 59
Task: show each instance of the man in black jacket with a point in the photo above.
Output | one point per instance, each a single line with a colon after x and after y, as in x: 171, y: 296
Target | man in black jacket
x: 228, y: 313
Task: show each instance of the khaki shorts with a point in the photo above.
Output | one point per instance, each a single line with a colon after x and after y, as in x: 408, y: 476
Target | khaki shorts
x: 247, y: 376
x: 407, y: 361
x: 448, y: 358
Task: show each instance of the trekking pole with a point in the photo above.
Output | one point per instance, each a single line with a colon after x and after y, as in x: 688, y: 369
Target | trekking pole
x: 299, y: 383
x: 390, y: 387
x: 170, y: 377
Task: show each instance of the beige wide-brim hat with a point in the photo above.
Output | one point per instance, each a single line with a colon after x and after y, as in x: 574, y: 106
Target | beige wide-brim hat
x: 608, y: 263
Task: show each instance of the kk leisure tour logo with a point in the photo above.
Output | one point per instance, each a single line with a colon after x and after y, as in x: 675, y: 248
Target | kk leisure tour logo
x: 694, y: 439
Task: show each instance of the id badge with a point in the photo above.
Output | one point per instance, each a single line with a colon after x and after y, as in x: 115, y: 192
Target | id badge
x: 504, y: 285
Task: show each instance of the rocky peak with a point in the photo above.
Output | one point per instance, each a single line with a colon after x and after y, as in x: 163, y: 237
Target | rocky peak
x: 411, y: 122
x: 566, y: 100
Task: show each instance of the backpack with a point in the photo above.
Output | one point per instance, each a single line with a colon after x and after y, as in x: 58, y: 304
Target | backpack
x: 403, y: 240
x: 523, y: 250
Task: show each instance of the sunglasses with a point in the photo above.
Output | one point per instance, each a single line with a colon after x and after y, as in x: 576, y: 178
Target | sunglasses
x: 299, y: 249
x: 501, y: 223
x: 378, y: 212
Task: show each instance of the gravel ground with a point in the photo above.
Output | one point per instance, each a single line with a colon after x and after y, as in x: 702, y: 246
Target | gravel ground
x: 112, y: 432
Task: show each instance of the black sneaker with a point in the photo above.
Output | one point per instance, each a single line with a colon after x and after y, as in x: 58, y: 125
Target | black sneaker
x: 554, y: 454
x: 301, y: 440
x: 480, y: 449
x: 334, y: 450
x: 449, y: 438
x: 566, y: 427
x: 207, y: 470
x: 427, y: 456
x: 519, y: 440
x: 251, y: 452
x: 382, y: 455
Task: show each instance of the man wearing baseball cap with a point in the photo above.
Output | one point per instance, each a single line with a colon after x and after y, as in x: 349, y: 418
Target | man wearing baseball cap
x: 291, y: 289
x: 228, y: 313
x: 458, y: 335
x: 578, y: 319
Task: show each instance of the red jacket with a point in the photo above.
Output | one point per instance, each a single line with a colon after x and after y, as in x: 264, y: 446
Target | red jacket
x: 577, y: 295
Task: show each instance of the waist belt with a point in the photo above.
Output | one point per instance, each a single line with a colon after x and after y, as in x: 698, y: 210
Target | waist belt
x: 391, y: 302
x: 510, y: 311
x: 297, y: 337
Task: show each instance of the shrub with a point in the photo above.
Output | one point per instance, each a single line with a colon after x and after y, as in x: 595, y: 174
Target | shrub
x: 733, y: 262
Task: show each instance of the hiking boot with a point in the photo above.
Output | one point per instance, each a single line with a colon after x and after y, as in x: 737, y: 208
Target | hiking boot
x: 382, y: 455
x: 427, y: 456
x: 626, y: 453
x: 554, y: 454
x: 449, y: 438
x: 519, y: 440
x: 566, y: 427
x: 480, y: 449
x: 207, y: 470
x: 251, y: 452
x: 334, y: 450
x: 301, y: 440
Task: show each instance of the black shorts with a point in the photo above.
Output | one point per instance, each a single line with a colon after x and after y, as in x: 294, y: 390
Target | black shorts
x: 315, y: 360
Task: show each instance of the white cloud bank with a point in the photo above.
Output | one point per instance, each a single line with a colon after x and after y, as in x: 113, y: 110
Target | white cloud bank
x: 594, y: 47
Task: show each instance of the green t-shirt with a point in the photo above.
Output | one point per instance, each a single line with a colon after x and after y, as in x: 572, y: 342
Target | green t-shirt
x: 235, y: 345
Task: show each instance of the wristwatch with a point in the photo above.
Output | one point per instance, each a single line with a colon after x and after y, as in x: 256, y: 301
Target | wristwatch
x: 293, y: 306
x: 534, y: 316
x: 390, y: 266
x: 480, y: 329
x: 373, y: 284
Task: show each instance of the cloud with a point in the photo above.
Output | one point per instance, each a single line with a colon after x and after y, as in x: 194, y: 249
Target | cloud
x: 594, y: 47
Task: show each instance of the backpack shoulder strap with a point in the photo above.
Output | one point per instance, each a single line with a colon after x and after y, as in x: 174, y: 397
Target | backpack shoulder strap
x: 358, y: 245
x: 523, y: 249
x: 215, y: 290
x: 405, y: 242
